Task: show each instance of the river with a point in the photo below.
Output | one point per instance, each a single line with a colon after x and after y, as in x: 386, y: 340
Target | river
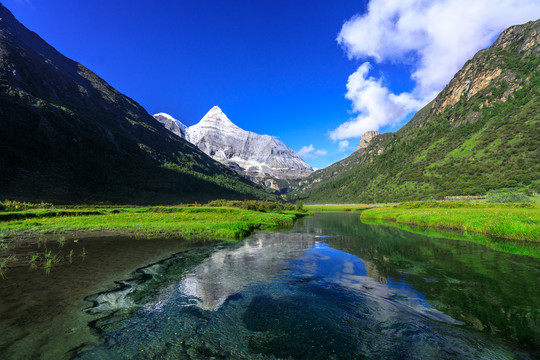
x: 331, y: 288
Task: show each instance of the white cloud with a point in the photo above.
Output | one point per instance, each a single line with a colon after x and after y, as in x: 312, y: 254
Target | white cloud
x: 305, y: 150
x: 434, y: 37
x: 343, y: 145
x: 374, y: 103
x: 309, y: 152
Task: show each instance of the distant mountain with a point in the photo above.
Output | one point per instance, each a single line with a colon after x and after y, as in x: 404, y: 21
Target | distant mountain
x: 68, y: 136
x: 261, y: 158
x: 171, y: 124
x: 481, y: 132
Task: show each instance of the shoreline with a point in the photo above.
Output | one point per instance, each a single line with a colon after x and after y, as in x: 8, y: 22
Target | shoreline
x: 516, y: 247
x: 58, y: 323
x: 516, y: 225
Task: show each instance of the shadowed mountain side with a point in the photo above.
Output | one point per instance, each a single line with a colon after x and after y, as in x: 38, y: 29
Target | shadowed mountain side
x: 68, y: 136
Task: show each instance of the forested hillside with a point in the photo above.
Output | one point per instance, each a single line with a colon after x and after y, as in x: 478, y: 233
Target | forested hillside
x: 481, y: 133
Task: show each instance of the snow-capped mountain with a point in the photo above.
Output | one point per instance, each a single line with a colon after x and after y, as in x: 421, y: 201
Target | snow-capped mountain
x: 262, y: 158
x: 171, y: 124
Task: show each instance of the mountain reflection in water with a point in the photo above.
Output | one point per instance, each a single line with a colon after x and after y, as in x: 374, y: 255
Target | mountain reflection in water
x: 331, y: 288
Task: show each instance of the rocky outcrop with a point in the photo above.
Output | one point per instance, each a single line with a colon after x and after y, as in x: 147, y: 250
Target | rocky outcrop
x: 520, y: 38
x: 474, y: 77
x: 366, y: 139
x: 261, y: 158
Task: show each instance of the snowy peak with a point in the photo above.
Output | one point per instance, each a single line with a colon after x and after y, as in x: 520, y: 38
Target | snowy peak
x: 215, y: 112
x: 171, y: 124
x: 216, y: 117
x: 262, y: 158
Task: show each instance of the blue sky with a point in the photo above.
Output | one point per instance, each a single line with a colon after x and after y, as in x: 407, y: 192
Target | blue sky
x: 315, y: 74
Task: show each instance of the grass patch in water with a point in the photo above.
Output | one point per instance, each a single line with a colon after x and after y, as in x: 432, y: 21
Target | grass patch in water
x: 33, y: 259
x: 50, y: 259
x: 505, y: 221
x: 4, y: 265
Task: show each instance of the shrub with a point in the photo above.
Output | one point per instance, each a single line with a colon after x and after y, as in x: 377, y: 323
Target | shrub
x: 508, y: 197
x: 255, y: 205
x: 13, y: 205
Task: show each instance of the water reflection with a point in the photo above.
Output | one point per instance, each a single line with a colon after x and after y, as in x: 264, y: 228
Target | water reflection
x: 331, y: 288
x: 228, y: 271
x: 325, y: 264
x: 491, y: 291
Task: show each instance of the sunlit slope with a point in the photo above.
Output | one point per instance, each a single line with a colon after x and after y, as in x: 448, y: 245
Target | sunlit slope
x: 481, y: 132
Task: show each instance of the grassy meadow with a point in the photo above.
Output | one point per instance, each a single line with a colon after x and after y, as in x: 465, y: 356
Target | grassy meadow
x: 518, y: 247
x: 23, y: 223
x: 189, y: 221
x: 512, y: 221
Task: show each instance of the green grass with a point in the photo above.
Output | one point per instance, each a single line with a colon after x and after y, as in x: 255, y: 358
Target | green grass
x: 46, y: 213
x: 518, y: 222
x: 12, y: 205
x: 518, y: 247
x: 187, y: 222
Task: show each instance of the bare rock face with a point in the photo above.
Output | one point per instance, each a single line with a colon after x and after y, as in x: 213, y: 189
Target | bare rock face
x: 261, y: 158
x: 475, y: 77
x: 366, y: 139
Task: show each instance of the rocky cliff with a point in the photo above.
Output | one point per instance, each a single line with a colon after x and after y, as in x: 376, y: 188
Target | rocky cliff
x: 479, y: 133
x: 366, y: 139
x: 261, y: 158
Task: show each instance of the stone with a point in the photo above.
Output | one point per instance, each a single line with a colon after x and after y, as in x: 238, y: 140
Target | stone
x: 366, y: 139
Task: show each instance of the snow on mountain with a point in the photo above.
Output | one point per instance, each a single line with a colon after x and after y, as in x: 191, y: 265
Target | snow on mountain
x: 262, y: 158
x: 171, y: 124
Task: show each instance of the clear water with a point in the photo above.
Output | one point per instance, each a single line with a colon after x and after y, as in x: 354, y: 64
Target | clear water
x: 333, y: 288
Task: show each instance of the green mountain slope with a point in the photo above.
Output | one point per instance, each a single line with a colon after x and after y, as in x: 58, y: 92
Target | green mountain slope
x: 481, y: 132
x: 66, y: 135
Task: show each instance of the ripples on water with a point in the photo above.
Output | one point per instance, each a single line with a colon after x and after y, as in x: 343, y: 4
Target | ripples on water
x: 333, y: 288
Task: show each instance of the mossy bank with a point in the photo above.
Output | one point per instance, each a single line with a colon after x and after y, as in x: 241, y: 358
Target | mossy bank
x: 506, y: 221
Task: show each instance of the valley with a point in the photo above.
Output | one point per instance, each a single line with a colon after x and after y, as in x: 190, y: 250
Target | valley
x: 126, y: 235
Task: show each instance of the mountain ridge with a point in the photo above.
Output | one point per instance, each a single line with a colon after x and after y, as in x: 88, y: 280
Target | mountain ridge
x: 68, y: 136
x: 261, y: 158
x: 479, y: 134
